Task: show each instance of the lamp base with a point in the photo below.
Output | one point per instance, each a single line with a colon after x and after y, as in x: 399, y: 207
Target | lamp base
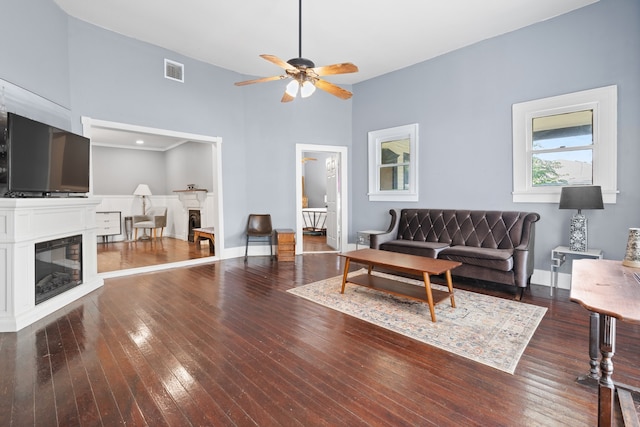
x: 578, y: 233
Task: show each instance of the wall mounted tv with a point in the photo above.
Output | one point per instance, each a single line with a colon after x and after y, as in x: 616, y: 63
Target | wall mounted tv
x: 44, y: 161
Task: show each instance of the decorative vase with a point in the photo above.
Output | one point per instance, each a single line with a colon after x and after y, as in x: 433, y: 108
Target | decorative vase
x: 632, y: 255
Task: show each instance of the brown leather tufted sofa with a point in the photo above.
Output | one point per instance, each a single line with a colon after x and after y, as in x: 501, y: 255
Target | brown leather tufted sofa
x: 494, y: 246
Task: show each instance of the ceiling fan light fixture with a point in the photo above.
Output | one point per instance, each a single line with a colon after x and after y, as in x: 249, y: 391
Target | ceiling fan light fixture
x: 292, y: 88
x: 304, y: 73
x: 307, y: 89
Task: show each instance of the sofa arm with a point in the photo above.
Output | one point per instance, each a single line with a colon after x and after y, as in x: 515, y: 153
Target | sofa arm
x: 391, y: 234
x: 523, y: 253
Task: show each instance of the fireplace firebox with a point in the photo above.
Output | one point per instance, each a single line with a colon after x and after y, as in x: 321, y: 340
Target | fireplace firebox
x: 194, y: 222
x: 58, y: 266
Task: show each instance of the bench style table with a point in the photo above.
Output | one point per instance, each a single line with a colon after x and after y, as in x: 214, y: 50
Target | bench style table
x: 206, y: 233
x: 411, y: 264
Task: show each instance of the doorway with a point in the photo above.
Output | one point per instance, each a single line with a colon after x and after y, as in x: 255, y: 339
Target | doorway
x: 116, y: 133
x: 325, y: 204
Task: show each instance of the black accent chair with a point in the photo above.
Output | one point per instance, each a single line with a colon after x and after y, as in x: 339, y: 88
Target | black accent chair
x: 259, y: 227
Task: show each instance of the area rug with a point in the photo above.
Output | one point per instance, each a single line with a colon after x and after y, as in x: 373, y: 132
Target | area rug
x: 486, y: 329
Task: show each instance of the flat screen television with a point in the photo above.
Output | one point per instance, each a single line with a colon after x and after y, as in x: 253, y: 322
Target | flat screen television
x: 44, y: 160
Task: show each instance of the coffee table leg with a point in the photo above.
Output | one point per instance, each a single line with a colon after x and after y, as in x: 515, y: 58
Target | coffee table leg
x: 427, y: 286
x: 450, y: 285
x: 344, y: 276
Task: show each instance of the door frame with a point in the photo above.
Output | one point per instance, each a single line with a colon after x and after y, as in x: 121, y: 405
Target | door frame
x: 343, y: 205
x: 89, y: 123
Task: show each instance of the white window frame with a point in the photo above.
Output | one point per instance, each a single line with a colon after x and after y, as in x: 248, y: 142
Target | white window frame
x: 603, y: 101
x: 376, y: 138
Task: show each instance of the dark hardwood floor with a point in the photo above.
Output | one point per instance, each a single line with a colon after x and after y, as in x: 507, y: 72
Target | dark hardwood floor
x: 225, y: 344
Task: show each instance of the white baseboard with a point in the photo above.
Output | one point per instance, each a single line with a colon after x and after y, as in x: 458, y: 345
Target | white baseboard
x: 543, y: 277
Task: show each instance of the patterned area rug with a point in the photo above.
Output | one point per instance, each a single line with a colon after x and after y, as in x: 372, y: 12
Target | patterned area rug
x: 486, y: 329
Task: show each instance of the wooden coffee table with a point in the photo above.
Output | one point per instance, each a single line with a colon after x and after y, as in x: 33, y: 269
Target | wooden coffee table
x: 411, y: 264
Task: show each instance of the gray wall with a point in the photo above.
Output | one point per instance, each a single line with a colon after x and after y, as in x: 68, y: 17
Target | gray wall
x: 462, y: 102
x: 118, y: 171
x: 106, y: 76
x: 35, y: 52
x: 189, y: 163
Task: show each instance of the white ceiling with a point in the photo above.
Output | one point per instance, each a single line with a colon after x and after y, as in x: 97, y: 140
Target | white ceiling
x: 127, y: 139
x: 379, y: 36
x: 376, y: 35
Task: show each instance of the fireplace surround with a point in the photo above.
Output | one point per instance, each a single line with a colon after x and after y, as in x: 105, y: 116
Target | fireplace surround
x: 27, y: 223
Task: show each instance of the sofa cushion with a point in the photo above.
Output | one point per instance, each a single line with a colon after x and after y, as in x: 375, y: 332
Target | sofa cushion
x: 426, y: 249
x: 497, y: 259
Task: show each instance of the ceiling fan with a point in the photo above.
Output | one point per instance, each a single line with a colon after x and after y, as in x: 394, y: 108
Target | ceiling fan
x: 304, y: 73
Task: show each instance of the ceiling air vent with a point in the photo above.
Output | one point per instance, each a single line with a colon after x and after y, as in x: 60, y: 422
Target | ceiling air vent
x: 173, y: 70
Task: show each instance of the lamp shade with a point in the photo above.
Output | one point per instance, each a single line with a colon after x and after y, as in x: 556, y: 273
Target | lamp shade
x: 307, y: 89
x: 581, y: 197
x: 292, y: 88
x: 142, y: 190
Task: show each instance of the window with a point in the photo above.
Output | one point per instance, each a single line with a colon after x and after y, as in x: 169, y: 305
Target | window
x: 393, y: 170
x: 565, y: 140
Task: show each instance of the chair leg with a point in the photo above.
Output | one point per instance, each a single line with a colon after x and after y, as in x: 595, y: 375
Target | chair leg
x: 271, y: 246
x: 135, y: 237
x: 246, y: 249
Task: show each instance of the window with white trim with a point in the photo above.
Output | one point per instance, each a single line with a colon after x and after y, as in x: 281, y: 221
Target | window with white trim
x: 393, y: 164
x: 565, y: 140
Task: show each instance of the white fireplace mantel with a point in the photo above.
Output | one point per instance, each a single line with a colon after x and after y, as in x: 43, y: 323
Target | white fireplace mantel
x: 192, y: 198
x: 25, y: 222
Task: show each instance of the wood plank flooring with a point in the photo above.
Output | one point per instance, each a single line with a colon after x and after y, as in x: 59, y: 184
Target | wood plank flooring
x: 114, y: 256
x: 143, y: 253
x: 224, y: 344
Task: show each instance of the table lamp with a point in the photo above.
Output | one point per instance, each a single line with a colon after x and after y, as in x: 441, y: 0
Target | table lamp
x: 143, y: 191
x: 580, y: 197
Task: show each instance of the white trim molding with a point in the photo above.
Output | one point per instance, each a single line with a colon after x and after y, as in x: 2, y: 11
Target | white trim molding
x: 376, y: 139
x: 603, y: 102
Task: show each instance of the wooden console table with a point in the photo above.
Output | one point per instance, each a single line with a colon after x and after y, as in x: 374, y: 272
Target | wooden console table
x: 610, y: 291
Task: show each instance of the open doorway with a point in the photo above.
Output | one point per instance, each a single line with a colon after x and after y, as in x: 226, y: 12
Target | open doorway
x: 118, y: 137
x: 321, y: 187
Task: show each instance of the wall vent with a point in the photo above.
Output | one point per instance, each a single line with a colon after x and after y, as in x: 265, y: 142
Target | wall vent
x: 173, y: 70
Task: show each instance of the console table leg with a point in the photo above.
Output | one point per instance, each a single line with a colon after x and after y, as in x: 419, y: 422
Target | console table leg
x: 606, y: 389
x: 594, y: 351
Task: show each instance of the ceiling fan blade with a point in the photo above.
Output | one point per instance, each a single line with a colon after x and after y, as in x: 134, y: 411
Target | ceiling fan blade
x: 333, y: 89
x: 287, y: 98
x: 344, y: 68
x: 260, y: 80
x: 279, y: 62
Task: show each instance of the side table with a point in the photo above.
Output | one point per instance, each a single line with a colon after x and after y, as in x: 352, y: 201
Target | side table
x: 286, y: 240
x: 364, y: 237
x: 559, y: 256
